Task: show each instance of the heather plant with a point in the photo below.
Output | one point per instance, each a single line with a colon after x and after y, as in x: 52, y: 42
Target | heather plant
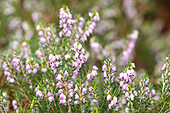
x: 56, y: 78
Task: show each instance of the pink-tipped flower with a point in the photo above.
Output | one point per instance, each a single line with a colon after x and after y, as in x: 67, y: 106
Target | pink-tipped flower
x: 59, y: 77
x: 51, y: 98
x: 42, y: 40
x: 95, y: 68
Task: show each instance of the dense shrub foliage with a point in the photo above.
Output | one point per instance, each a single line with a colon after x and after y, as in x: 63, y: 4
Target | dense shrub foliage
x: 56, y: 78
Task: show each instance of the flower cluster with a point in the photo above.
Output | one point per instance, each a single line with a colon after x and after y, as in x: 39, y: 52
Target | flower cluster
x: 56, y: 78
x: 127, y: 76
x: 65, y: 22
x: 165, y: 78
x: 129, y: 49
x: 31, y: 66
x: 4, y: 102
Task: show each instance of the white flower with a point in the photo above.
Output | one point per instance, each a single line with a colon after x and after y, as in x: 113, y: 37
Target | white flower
x: 127, y: 95
x: 114, y: 101
x: 95, y: 68
x: 109, y: 97
x: 51, y: 57
x: 14, y: 102
x: 88, y: 76
x: 126, y: 110
x: 76, y: 96
x: 59, y: 77
x: 79, y: 46
x: 90, y: 14
x: 51, y: 98
x: 4, y: 94
x: 132, y: 97
x: 105, y: 74
x: 76, y: 102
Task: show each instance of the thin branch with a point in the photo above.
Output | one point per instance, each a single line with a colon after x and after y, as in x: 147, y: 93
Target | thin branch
x: 158, y: 104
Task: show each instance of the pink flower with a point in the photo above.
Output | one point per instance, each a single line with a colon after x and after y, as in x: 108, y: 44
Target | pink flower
x: 62, y: 97
x: 42, y: 40
x: 40, y: 33
x: 43, y: 70
x: 15, y: 107
x: 153, y: 92
x: 34, y: 70
x: 60, y: 92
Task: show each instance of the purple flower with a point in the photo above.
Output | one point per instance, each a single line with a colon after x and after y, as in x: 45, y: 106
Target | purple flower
x: 39, y: 93
x: 43, y: 70
x: 4, y: 94
x: 70, y: 85
x: 147, y: 82
x: 40, y: 33
x: 34, y: 70
x: 93, y: 101
x: 60, y: 91
x: 15, y: 107
x: 62, y: 98
x: 38, y: 53
x: 153, y: 92
x: 11, y: 80
x: 71, y: 93
x: 29, y: 71
x: 96, y: 18
x: 15, y: 62
x: 7, y: 73
x: 15, y: 45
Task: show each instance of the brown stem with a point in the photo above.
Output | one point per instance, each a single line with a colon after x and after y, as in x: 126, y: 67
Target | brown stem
x: 158, y: 104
